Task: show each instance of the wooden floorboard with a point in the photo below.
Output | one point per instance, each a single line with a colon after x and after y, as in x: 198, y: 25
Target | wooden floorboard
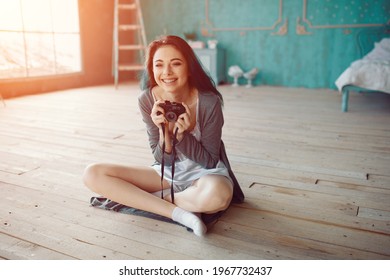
x: 316, y: 180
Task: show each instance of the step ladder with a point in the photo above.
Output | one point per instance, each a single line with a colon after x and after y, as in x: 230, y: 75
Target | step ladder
x: 129, y: 37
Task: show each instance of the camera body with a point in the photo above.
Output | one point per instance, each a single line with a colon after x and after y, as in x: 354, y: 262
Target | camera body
x: 172, y: 110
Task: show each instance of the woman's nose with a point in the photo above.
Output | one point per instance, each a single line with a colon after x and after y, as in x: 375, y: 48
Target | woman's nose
x: 167, y: 70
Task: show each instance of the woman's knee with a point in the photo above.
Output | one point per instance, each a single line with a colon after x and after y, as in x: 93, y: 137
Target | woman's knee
x: 222, y: 197
x: 92, y: 174
x: 217, y: 193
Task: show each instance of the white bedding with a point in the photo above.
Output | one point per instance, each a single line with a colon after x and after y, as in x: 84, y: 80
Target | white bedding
x: 370, y: 72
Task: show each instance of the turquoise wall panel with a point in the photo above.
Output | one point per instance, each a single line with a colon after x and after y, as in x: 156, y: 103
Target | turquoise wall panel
x: 294, y: 43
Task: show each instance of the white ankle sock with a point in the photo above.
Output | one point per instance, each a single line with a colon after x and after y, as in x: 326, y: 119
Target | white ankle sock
x: 189, y: 220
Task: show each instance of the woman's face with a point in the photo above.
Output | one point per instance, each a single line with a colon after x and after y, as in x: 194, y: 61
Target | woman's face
x: 170, y: 69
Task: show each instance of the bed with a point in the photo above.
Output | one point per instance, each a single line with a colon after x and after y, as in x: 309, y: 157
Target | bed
x: 370, y: 73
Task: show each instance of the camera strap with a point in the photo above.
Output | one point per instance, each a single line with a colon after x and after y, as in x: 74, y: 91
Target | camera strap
x: 173, y: 157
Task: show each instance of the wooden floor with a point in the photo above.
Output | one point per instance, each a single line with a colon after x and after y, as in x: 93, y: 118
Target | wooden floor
x: 316, y: 180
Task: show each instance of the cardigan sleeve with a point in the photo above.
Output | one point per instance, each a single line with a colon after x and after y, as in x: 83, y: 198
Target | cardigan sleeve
x: 206, y: 152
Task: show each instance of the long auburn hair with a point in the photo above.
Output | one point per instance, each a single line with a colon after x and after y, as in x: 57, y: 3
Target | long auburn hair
x: 198, y: 76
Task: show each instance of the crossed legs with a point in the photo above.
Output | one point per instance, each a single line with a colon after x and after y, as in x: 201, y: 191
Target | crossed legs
x: 132, y: 186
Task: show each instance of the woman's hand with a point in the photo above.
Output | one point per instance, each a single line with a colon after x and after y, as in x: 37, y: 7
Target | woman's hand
x: 160, y: 121
x: 183, y: 123
x: 157, y: 114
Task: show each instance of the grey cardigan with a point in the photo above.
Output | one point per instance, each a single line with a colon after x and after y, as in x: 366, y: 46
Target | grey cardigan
x: 209, y: 150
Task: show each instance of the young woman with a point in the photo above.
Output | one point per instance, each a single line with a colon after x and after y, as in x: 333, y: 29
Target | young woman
x: 203, y: 181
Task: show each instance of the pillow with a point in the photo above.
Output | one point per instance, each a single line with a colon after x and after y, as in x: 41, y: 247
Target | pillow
x: 381, y: 51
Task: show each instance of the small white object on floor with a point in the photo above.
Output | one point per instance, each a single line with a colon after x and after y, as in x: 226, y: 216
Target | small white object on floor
x: 250, y: 75
x: 236, y: 72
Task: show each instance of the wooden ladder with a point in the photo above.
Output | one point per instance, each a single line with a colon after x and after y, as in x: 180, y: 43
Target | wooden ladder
x: 129, y: 36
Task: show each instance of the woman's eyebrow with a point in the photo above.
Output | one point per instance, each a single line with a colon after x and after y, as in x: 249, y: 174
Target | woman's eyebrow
x: 173, y: 59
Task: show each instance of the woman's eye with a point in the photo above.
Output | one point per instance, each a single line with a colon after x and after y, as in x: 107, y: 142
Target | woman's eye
x: 158, y: 65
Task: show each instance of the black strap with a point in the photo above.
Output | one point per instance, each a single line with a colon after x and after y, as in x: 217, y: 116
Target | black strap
x: 162, y: 162
x: 173, y: 164
x: 173, y: 157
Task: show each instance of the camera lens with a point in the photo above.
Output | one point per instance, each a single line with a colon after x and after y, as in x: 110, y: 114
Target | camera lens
x: 171, y: 116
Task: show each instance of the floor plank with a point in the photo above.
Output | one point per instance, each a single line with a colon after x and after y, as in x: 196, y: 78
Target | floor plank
x: 17, y: 249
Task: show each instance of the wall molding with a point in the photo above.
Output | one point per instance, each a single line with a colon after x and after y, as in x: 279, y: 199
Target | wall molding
x: 304, y: 23
x: 209, y: 28
x: 304, y: 26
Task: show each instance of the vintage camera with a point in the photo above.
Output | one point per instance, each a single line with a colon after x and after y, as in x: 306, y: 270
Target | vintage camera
x: 172, y: 110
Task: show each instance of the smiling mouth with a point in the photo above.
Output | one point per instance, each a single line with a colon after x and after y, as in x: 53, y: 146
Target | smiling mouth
x: 169, y: 81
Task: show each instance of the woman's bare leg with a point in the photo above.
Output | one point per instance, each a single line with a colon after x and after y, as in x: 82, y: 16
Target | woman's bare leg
x: 128, y: 185
x: 132, y: 186
x: 209, y: 194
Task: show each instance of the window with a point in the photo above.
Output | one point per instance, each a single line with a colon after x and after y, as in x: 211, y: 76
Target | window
x: 39, y: 38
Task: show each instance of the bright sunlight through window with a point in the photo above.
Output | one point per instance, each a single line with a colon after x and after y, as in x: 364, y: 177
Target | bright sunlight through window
x: 39, y: 38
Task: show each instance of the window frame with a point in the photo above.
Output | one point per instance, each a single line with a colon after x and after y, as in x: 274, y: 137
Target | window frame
x: 56, y: 72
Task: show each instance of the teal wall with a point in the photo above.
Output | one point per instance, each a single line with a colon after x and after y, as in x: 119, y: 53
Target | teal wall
x: 312, y: 60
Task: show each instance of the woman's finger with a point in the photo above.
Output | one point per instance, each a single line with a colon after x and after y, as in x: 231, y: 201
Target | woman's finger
x: 187, y: 108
